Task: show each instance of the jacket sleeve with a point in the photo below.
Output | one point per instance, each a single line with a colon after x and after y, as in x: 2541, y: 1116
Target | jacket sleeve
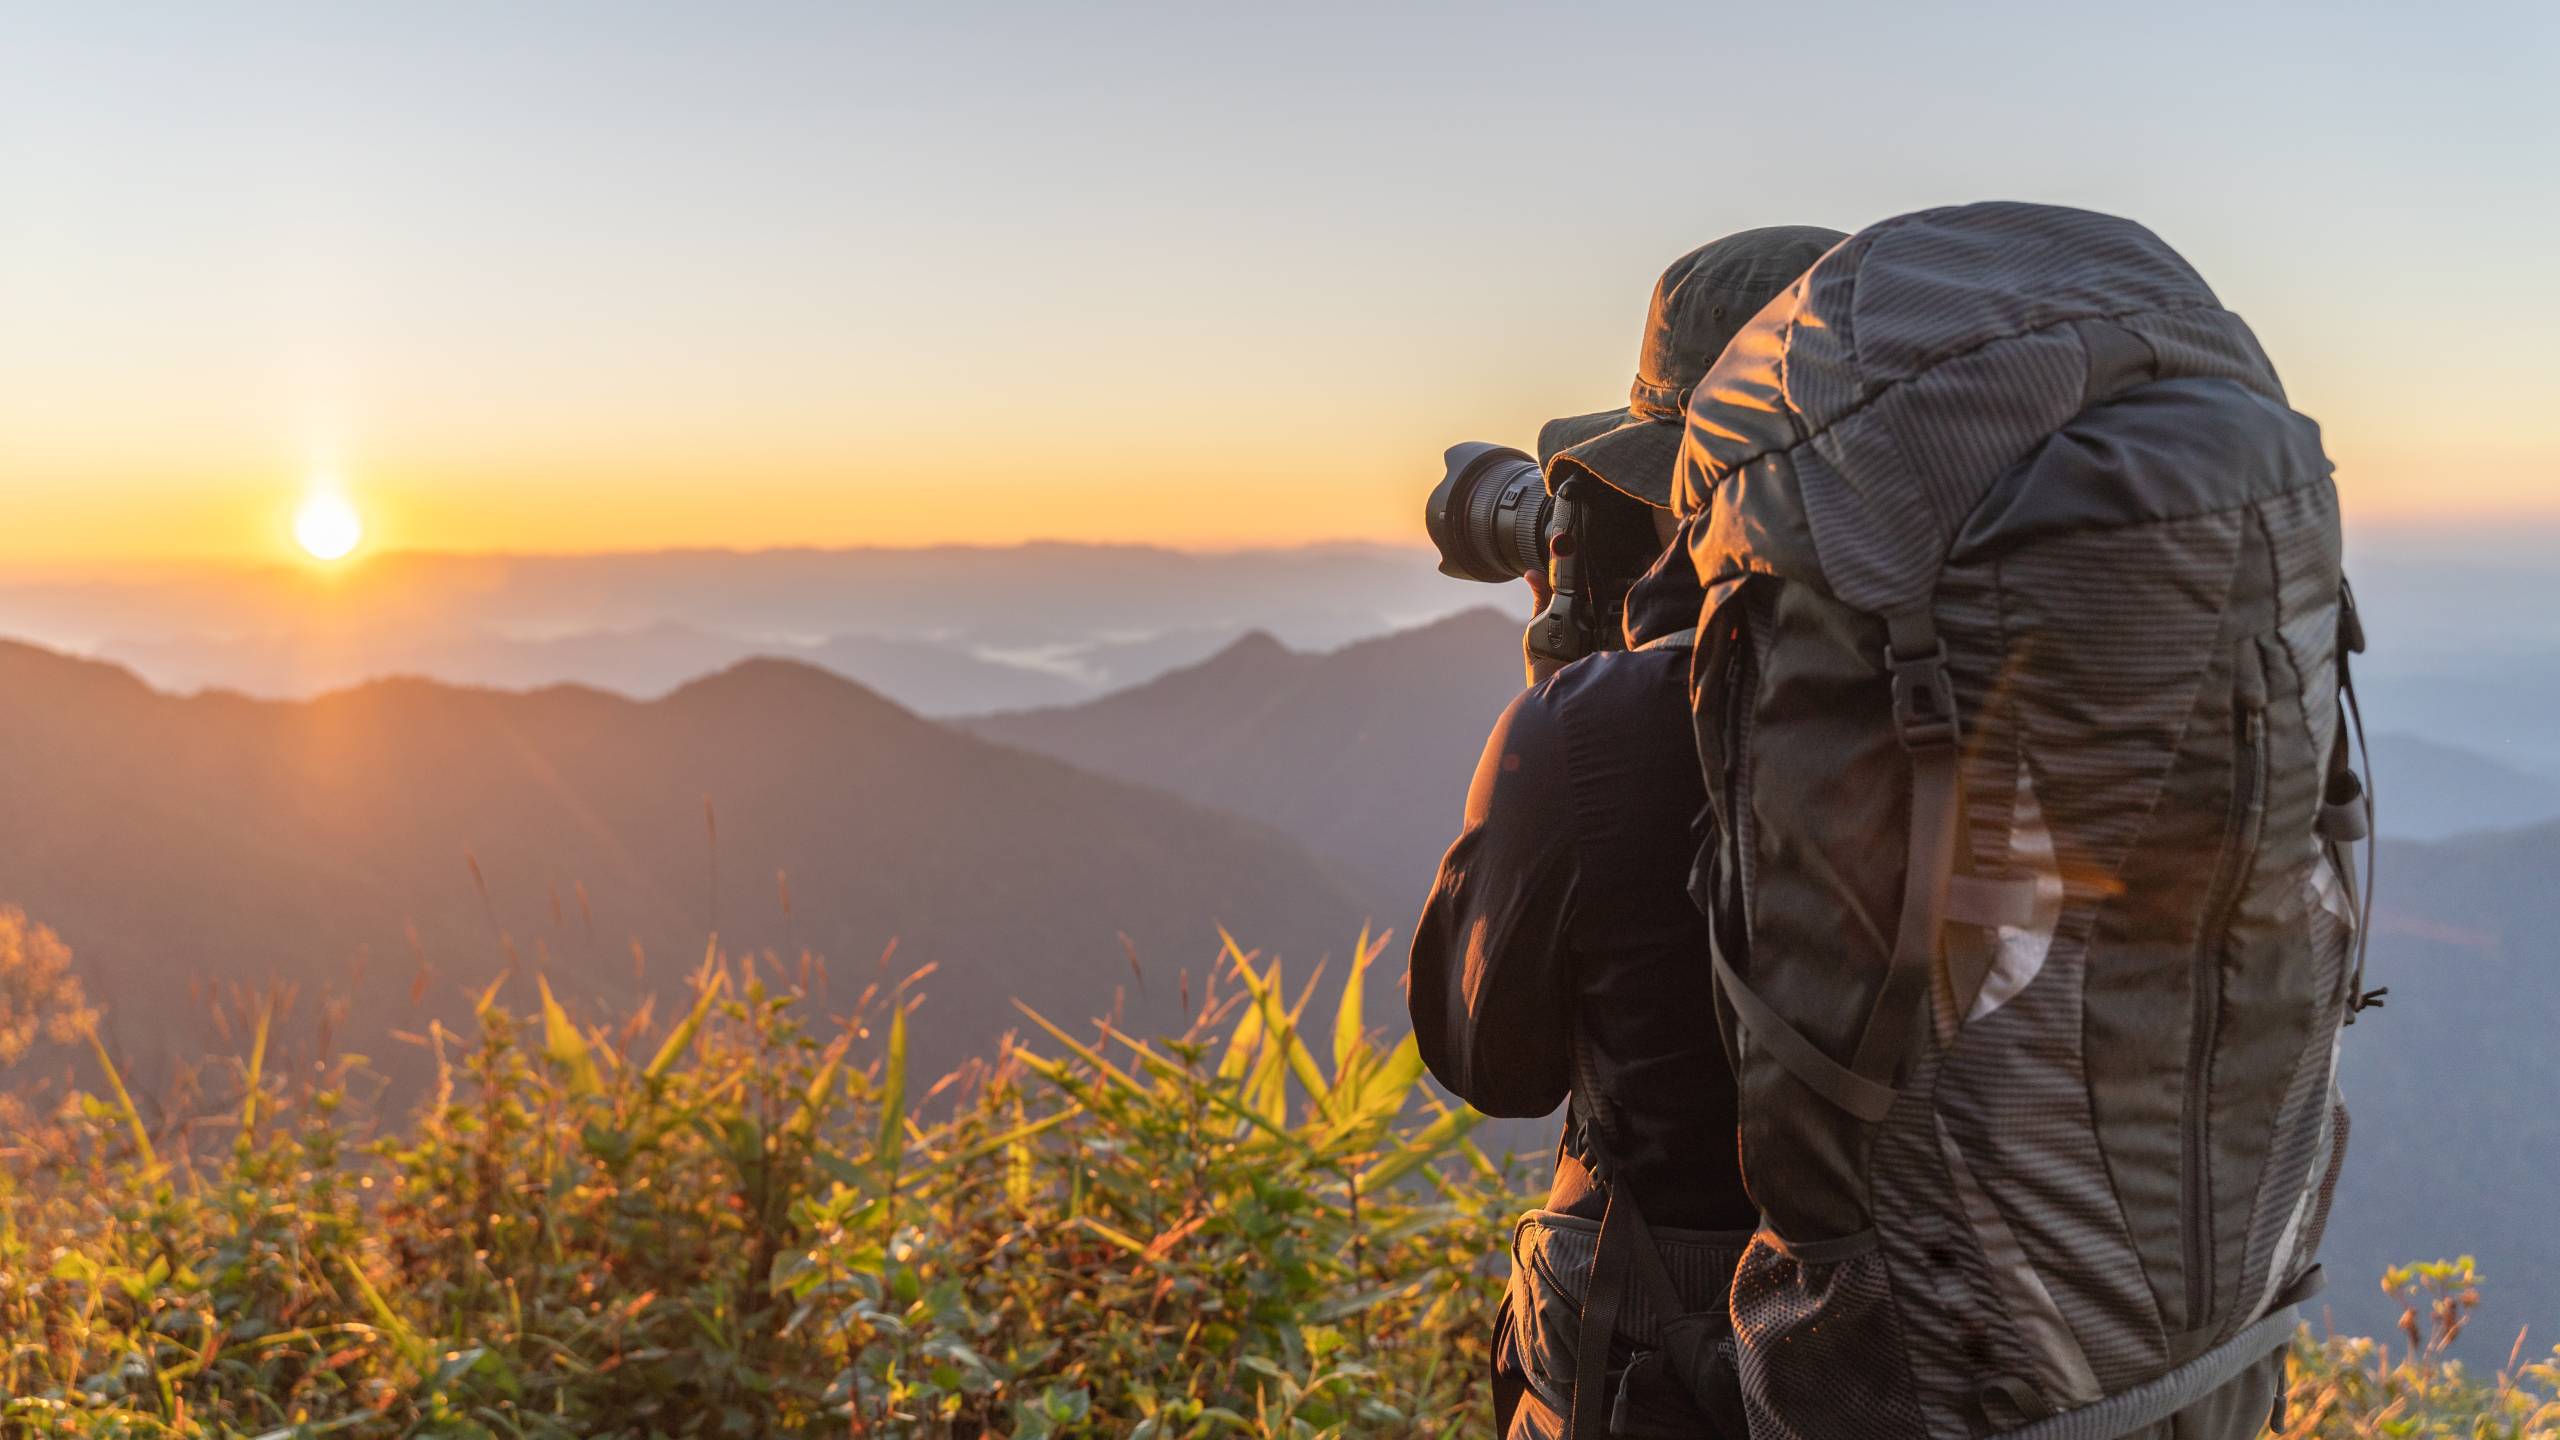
x: 1490, y: 983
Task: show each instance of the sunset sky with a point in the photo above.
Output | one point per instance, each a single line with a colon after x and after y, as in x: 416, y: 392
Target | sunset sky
x: 566, y: 277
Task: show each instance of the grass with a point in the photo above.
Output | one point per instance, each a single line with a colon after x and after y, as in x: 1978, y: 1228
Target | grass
x: 747, y: 1219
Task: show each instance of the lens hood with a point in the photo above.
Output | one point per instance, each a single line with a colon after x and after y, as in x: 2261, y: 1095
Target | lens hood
x: 1488, y: 515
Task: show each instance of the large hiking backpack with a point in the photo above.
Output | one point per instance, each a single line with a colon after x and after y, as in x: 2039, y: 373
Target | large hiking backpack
x: 2018, y: 693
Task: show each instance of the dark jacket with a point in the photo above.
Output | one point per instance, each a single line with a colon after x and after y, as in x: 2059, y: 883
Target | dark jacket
x: 1560, y: 951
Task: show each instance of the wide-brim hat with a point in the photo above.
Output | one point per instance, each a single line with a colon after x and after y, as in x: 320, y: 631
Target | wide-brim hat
x: 1701, y: 302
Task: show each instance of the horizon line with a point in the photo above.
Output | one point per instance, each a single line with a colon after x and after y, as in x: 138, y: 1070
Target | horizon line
x: 2500, y: 529
x: 22, y: 571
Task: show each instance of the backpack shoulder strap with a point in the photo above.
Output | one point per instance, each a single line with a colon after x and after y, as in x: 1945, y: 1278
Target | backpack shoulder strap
x: 1924, y: 717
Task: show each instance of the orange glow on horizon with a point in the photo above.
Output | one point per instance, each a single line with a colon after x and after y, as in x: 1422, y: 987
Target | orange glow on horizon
x: 1196, y: 490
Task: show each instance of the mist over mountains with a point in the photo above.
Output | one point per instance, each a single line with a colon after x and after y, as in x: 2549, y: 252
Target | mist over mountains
x: 942, y: 630
x: 2465, y: 640
x: 923, y: 675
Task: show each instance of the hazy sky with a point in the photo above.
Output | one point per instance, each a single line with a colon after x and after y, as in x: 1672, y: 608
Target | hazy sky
x: 571, y: 277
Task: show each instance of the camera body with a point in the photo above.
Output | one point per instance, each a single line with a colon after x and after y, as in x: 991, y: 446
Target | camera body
x: 1493, y: 519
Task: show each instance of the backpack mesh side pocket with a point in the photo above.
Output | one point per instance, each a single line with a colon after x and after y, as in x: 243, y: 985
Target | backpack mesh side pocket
x: 1819, y: 1343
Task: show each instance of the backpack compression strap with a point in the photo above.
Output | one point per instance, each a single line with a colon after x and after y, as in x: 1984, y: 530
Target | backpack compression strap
x: 2135, y: 1410
x: 2347, y: 810
x: 1625, y: 1251
x: 1924, y: 718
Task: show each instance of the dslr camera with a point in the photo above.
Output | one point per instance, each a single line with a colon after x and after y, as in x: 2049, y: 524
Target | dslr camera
x: 1493, y: 519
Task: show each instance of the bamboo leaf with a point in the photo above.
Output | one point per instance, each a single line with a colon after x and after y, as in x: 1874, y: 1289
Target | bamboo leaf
x: 257, y: 1069
x: 893, y: 1091
x: 1268, y: 1091
x: 680, y: 1039
x: 1231, y: 1105
x: 815, y: 1100
x: 1280, y: 1029
x: 1242, y: 1044
x: 1047, y: 1069
x: 1009, y: 1139
x: 1017, y: 1155
x: 1439, y: 1135
x: 411, y: 1348
x: 1149, y: 1061
x: 124, y: 1101
x: 1383, y: 1090
x: 1121, y: 1238
x: 1083, y: 1052
x: 1348, y: 1037
x: 563, y: 1046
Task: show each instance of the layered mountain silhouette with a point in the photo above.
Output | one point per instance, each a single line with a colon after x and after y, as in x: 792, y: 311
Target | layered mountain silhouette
x: 2429, y: 790
x: 933, y: 677
x: 218, y: 838
x: 642, y: 662
x: 1364, y: 752
x: 2453, y: 1083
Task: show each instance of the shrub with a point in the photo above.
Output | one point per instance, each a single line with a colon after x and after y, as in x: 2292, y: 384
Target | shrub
x: 2349, y: 1386
x: 741, y: 1224
x: 731, y: 1227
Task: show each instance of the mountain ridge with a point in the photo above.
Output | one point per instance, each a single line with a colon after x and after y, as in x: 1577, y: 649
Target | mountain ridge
x: 421, y: 824
x: 1364, y: 752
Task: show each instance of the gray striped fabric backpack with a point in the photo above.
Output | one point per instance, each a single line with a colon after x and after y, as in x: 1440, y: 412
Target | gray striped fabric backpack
x: 2018, y: 690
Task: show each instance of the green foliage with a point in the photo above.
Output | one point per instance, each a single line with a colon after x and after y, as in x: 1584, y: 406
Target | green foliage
x: 746, y: 1227
x: 2354, y: 1387
x: 752, y: 1224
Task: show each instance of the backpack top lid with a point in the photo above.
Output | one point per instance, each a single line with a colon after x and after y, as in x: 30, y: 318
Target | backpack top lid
x: 1872, y: 403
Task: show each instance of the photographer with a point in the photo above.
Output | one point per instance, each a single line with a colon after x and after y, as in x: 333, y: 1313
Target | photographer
x: 1560, y: 954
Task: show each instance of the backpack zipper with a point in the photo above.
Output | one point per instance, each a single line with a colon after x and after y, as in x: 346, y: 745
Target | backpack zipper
x: 2239, y: 847
x: 1737, y: 739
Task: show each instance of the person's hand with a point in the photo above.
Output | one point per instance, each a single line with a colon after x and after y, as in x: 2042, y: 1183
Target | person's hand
x: 1533, y: 665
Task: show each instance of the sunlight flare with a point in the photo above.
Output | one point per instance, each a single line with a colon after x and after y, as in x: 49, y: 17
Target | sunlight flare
x: 327, y: 526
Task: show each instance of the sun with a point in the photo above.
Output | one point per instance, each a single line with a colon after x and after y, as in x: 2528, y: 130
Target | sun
x: 327, y: 527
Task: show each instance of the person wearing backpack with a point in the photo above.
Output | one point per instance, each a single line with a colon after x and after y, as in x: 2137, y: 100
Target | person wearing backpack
x: 2021, y: 654
x: 1560, y: 952
x: 2020, y: 698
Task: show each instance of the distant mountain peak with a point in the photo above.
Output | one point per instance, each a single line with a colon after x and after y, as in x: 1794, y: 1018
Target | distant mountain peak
x: 1252, y: 645
x: 29, y: 664
x: 1364, y: 751
x: 1471, y: 623
x: 769, y: 679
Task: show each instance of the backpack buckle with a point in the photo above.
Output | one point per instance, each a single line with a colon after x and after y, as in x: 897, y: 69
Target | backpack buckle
x: 1924, y: 699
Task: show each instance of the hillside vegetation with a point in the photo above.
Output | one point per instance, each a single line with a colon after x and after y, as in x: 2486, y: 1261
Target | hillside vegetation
x: 748, y: 1219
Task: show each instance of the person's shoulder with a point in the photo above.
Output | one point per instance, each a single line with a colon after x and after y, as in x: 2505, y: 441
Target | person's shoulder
x: 1535, y: 720
x: 1612, y: 678
x: 1613, y: 701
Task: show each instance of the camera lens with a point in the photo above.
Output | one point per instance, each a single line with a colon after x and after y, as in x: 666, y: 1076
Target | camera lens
x: 1488, y: 515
